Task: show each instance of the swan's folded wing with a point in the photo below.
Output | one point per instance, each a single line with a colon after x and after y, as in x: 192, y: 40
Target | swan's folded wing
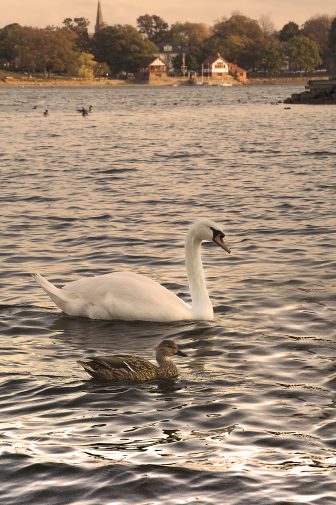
x: 127, y: 296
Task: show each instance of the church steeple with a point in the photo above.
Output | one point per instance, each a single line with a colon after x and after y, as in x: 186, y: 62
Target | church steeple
x: 99, y: 19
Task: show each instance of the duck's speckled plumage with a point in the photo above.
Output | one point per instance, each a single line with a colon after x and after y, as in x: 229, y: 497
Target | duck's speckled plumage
x: 127, y: 367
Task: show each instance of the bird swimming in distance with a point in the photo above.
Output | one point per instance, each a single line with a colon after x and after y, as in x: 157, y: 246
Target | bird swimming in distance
x: 46, y: 112
x: 130, y: 296
x: 83, y: 111
x: 127, y: 367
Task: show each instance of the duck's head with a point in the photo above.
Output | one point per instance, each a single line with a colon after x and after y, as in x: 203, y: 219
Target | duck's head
x: 206, y: 229
x: 169, y: 348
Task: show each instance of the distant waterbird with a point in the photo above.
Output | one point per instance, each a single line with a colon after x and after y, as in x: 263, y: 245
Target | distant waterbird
x: 132, y: 297
x: 84, y: 111
x: 46, y: 112
x: 127, y: 367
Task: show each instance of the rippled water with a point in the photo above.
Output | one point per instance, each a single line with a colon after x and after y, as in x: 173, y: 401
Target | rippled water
x: 251, y: 418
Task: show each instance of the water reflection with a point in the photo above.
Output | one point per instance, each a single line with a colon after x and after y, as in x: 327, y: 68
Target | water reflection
x: 117, y: 335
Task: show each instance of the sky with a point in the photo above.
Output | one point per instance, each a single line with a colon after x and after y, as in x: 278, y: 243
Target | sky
x: 40, y: 13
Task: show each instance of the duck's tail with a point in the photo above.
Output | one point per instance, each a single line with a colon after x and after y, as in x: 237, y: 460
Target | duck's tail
x: 57, y: 295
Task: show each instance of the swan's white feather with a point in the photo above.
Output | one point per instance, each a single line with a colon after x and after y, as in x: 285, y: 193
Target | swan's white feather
x: 120, y: 295
x: 130, y: 297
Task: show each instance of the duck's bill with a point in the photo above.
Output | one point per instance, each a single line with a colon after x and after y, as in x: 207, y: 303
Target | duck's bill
x: 222, y: 243
x: 180, y: 353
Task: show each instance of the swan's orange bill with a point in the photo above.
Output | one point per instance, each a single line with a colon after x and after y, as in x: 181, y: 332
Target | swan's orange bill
x: 222, y: 243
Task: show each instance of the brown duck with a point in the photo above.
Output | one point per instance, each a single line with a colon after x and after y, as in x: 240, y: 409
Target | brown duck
x: 128, y: 367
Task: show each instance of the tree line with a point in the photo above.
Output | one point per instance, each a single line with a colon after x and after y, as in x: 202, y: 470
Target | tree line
x: 121, y: 49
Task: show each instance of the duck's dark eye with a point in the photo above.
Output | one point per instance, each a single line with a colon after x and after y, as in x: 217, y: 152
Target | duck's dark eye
x: 217, y: 232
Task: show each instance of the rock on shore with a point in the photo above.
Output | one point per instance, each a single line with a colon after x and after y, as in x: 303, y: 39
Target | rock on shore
x: 317, y: 92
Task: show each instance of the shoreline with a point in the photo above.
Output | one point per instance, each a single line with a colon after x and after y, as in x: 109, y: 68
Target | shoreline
x: 9, y: 81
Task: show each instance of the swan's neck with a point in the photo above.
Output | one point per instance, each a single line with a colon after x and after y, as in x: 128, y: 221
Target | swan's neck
x: 201, y: 304
x: 166, y: 364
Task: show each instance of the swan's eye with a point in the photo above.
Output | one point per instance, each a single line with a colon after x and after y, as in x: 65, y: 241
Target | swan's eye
x: 217, y: 232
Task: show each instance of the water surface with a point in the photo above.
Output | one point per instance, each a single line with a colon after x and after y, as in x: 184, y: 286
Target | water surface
x: 251, y: 418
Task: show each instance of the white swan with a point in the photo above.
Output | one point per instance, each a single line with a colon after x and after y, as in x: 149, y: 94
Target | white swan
x: 133, y: 297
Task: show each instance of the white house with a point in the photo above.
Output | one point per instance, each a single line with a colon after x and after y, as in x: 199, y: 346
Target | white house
x: 215, y: 66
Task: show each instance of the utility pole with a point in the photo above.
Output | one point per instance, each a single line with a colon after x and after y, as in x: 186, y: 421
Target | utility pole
x: 183, y: 68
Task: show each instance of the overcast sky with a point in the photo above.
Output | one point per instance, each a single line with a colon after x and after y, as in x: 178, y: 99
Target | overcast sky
x: 47, y: 12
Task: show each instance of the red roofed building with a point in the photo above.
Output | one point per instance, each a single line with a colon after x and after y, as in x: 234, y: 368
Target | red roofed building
x: 237, y: 72
x: 153, y: 67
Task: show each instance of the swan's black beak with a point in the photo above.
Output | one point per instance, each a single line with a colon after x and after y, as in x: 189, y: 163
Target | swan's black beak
x: 219, y: 240
x: 180, y: 353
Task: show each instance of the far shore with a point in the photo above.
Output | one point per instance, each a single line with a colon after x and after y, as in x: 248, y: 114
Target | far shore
x: 58, y: 82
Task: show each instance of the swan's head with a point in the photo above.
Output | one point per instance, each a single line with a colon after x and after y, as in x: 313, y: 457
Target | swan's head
x: 169, y: 348
x: 208, y: 230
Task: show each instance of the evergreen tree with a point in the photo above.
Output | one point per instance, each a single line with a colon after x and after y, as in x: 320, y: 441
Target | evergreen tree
x: 303, y: 53
x: 79, y: 26
x: 288, y: 31
x: 46, y: 50
x: 122, y: 47
x: 332, y: 48
x: 235, y: 39
x: 271, y: 58
x: 188, y: 38
x: 154, y: 28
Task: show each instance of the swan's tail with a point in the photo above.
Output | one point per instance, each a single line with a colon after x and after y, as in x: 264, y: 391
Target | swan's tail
x: 56, y: 294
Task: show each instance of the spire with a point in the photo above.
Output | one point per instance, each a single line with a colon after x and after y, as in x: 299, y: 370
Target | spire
x: 99, y: 19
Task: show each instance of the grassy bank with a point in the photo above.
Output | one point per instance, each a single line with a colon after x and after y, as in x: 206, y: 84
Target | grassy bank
x: 38, y: 80
x: 17, y: 79
x: 20, y: 79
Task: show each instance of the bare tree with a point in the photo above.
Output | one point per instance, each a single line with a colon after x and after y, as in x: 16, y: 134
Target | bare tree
x: 266, y: 25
